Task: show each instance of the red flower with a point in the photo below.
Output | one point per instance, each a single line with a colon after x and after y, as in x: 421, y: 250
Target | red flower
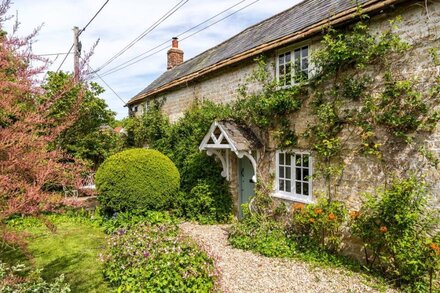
x: 298, y: 206
x: 354, y: 214
x: 383, y: 229
x: 331, y: 216
x: 435, y: 247
x: 318, y: 211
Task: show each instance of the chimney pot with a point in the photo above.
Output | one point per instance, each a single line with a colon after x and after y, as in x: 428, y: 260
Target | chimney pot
x: 175, y: 42
x: 175, y: 55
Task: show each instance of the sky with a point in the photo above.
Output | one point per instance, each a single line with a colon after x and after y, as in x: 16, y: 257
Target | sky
x: 122, y: 21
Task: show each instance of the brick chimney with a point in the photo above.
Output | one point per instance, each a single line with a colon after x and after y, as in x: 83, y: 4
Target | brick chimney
x: 175, y: 55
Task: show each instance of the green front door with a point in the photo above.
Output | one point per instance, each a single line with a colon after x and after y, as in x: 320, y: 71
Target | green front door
x: 246, y: 185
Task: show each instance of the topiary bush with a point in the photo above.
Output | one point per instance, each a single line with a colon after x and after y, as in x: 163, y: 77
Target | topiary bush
x: 137, y: 180
x: 204, y: 195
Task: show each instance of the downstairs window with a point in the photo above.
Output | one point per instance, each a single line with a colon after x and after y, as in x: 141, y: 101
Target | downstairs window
x: 293, y: 176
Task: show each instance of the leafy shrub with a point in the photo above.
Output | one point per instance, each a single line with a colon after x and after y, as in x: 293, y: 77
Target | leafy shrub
x: 180, y: 142
x: 137, y: 179
x: 394, y: 223
x: 318, y: 224
x: 261, y: 235
x: 127, y: 220
x: 272, y: 238
x: 201, y: 204
x: 11, y: 281
x: 155, y: 258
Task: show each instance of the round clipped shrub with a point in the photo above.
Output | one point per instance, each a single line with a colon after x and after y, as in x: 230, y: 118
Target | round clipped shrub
x: 137, y: 180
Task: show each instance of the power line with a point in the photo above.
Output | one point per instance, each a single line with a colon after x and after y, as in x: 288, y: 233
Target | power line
x: 65, y: 57
x: 144, y: 33
x: 116, y: 94
x: 167, y: 41
x: 71, y: 47
x: 96, y: 14
x: 221, y: 19
x: 51, y: 54
x: 120, y: 67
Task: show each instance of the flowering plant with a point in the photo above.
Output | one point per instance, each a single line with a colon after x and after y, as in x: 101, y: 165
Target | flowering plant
x: 318, y: 224
x: 395, y: 225
x: 157, y: 258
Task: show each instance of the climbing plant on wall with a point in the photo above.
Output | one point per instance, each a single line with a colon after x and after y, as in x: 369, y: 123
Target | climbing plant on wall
x: 361, y: 104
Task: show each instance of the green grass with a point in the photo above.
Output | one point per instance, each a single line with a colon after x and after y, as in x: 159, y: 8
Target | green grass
x: 73, y: 250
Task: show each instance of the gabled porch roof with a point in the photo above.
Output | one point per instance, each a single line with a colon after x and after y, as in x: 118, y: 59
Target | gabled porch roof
x: 228, y: 134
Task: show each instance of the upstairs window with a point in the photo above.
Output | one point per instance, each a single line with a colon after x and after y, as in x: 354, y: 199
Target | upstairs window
x: 293, y: 176
x: 293, y: 66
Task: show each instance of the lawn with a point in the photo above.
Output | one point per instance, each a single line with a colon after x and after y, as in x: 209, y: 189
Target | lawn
x: 73, y: 250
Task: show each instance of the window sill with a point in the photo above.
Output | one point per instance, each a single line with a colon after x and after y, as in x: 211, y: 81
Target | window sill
x: 292, y: 198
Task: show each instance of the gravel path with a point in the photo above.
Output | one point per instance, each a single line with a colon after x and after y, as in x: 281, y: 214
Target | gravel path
x: 244, y: 271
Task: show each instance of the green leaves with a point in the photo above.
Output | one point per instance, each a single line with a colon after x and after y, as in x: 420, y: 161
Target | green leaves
x: 395, y: 225
x: 180, y: 141
x: 155, y: 258
x: 83, y: 139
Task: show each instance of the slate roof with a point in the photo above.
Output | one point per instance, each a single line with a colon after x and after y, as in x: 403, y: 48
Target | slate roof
x: 286, y: 23
x: 243, y: 138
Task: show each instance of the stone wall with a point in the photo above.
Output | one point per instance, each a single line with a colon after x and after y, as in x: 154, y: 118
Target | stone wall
x: 364, y: 174
x: 219, y: 88
x: 420, y: 27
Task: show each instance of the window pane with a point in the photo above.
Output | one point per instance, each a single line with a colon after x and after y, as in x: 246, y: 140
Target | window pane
x: 305, y: 52
x: 288, y: 187
x: 305, y: 188
x: 305, y: 174
x: 298, y: 187
x: 306, y: 161
x: 288, y: 172
x: 281, y: 158
x: 281, y: 187
x: 298, y: 174
x: 281, y: 71
x: 297, y: 66
x: 288, y: 79
x: 298, y: 160
x: 288, y: 68
x: 305, y: 65
x: 305, y: 74
x: 288, y: 158
x: 287, y: 57
x: 281, y: 169
x: 297, y: 54
x: 288, y: 74
x: 281, y: 59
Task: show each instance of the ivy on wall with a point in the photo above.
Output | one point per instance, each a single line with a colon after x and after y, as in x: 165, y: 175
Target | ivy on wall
x: 356, y: 93
x: 359, y: 105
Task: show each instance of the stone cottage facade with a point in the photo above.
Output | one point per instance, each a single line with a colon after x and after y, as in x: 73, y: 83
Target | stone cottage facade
x: 292, y: 36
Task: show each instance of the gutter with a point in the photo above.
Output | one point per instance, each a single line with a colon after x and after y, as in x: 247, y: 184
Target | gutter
x: 311, y: 30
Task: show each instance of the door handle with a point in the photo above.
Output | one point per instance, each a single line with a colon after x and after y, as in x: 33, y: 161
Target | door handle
x: 242, y: 172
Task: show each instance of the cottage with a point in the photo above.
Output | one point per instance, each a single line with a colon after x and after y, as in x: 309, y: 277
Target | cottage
x: 288, y: 41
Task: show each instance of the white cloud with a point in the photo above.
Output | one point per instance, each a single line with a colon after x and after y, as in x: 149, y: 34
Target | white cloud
x: 122, y: 21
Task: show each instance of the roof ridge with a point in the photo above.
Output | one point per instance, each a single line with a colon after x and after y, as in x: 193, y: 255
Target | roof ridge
x: 246, y: 29
x: 279, y: 26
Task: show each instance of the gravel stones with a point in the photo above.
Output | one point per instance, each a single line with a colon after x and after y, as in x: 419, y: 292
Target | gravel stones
x: 244, y: 271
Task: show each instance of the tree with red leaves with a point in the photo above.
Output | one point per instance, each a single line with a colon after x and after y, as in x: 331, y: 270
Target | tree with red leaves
x: 31, y: 168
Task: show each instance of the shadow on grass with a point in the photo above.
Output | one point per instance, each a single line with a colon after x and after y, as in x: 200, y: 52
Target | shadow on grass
x: 68, y: 265
x: 73, y: 251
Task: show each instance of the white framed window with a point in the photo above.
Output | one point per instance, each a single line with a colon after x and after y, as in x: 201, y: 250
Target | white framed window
x: 292, y: 65
x: 293, y: 176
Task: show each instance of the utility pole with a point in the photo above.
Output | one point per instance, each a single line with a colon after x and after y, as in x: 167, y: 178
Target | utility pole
x: 76, y: 53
